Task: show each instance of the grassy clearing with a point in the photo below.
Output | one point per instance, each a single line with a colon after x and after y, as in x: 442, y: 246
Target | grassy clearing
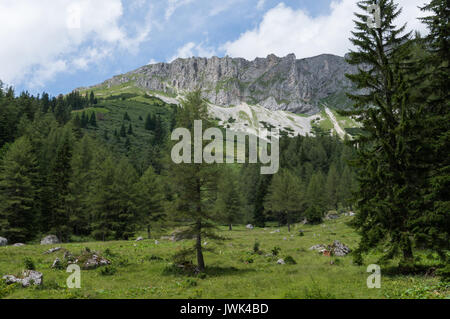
x: 139, y: 269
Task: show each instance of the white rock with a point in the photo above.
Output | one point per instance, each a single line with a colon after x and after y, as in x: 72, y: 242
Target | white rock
x: 3, y: 241
x: 156, y: 242
x: 280, y: 261
x: 18, y: 245
x: 275, y: 231
x: 50, y: 239
x: 139, y: 239
x: 249, y: 226
x: 29, y: 277
x: 52, y: 250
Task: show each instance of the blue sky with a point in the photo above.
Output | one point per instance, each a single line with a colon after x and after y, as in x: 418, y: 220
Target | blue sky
x: 58, y: 45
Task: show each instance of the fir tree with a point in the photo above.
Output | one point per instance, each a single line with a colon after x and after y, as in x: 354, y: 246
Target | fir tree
x: 285, y: 196
x: 18, y: 192
x: 123, y: 132
x: 150, y: 199
x: 93, y: 120
x: 228, y: 203
x: 389, y: 178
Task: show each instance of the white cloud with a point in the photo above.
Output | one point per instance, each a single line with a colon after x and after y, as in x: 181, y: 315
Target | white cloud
x: 173, y: 5
x: 152, y: 61
x: 284, y: 30
x: 260, y: 4
x: 191, y: 49
x: 42, y: 38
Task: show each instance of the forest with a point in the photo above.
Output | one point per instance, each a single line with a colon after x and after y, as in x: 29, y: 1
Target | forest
x: 86, y: 167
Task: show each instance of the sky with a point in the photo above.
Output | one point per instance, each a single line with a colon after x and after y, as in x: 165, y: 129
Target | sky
x: 58, y: 45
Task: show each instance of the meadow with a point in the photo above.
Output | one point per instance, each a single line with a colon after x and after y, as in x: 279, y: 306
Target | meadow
x: 144, y: 269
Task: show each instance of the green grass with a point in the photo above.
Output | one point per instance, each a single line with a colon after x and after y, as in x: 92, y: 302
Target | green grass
x: 139, y: 269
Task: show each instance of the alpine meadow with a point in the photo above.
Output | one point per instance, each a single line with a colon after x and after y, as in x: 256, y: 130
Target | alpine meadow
x: 229, y: 177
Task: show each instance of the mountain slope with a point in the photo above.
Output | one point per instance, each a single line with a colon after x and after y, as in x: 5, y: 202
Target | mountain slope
x: 287, y: 84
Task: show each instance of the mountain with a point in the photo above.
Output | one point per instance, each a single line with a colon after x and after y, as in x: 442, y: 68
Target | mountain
x: 295, y: 96
x: 287, y: 84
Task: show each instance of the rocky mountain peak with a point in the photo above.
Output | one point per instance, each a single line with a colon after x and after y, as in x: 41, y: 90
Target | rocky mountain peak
x: 277, y: 83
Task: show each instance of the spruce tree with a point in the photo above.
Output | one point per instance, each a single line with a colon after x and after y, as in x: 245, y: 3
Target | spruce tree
x: 228, y: 203
x: 388, y: 176
x: 93, y: 120
x: 123, y: 132
x: 433, y: 82
x: 285, y: 196
x: 150, y: 199
x: 331, y: 187
x: 18, y: 192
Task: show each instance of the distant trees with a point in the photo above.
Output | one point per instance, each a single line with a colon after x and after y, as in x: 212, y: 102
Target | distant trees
x: 150, y: 199
x: 285, y: 196
x: 229, y: 203
x: 19, y: 192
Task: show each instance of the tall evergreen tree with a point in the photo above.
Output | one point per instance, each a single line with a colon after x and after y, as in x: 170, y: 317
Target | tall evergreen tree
x: 285, y: 196
x: 18, y: 192
x: 228, y: 203
x: 389, y: 177
x: 195, y: 184
x: 93, y: 120
x: 150, y: 199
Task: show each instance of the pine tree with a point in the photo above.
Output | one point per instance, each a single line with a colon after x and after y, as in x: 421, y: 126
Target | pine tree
x: 130, y: 130
x: 123, y: 132
x: 432, y: 82
x: 79, y: 187
x: 285, y: 196
x: 60, y: 175
x: 18, y: 192
x: 149, y: 123
x: 93, y: 120
x: 195, y: 185
x: 315, y: 195
x: 388, y: 177
x: 331, y: 187
x: 159, y: 132
x: 150, y: 199
x: 92, y: 98
x: 126, y: 117
x: 228, y: 203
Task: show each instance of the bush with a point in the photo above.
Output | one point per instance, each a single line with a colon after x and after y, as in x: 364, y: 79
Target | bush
x: 29, y: 264
x: 256, y: 247
x: 314, y: 215
x: 289, y: 260
x: 108, y: 271
x: 276, y: 250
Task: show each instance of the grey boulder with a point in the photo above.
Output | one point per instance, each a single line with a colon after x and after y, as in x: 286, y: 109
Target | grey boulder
x: 49, y: 240
x: 3, y: 241
x: 29, y: 277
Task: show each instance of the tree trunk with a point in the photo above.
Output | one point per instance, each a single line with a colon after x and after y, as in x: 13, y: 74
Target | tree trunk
x: 230, y: 227
x: 148, y: 231
x: 408, y: 255
x: 198, y: 247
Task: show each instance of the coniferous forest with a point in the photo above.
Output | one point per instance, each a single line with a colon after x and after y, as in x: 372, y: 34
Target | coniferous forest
x: 91, y: 167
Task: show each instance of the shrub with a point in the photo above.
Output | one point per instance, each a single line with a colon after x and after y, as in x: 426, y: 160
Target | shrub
x: 256, y: 247
x: 314, y: 215
x: 29, y: 264
x: 289, y: 260
x: 107, y: 271
x: 276, y: 250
